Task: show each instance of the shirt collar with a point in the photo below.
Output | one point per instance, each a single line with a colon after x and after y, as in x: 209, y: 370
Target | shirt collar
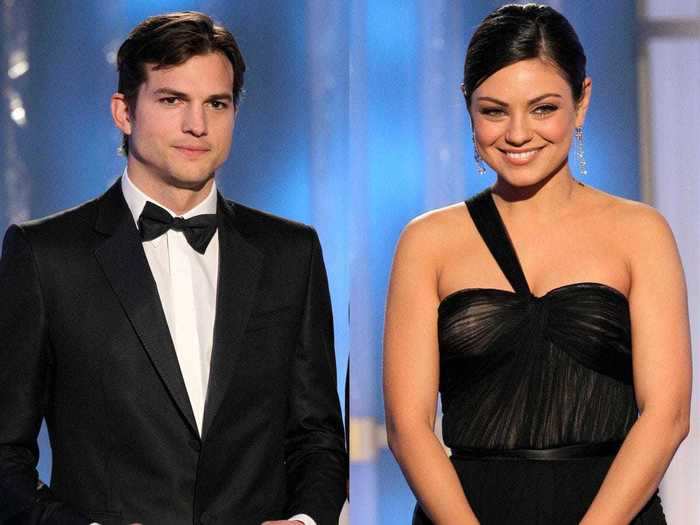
x: 136, y: 200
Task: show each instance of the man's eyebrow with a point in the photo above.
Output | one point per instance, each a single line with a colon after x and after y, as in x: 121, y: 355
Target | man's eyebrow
x: 170, y: 92
x: 530, y: 102
x: 220, y: 96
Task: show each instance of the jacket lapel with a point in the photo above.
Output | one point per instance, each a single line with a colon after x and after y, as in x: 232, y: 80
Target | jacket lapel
x: 125, y: 265
x: 240, y: 265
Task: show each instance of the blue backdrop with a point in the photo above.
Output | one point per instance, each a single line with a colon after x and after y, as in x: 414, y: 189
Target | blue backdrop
x: 352, y: 122
x: 411, y: 151
x: 289, y: 155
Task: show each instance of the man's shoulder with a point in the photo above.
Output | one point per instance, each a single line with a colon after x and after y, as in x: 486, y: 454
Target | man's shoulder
x: 258, y: 223
x: 72, y: 223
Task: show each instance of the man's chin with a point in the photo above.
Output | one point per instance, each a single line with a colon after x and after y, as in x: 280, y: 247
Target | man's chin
x: 190, y: 182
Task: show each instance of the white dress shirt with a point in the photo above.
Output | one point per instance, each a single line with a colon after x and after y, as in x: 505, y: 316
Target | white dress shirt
x: 186, y: 282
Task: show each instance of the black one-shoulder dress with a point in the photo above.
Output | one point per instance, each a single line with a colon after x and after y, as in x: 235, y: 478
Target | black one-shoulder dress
x: 536, y: 392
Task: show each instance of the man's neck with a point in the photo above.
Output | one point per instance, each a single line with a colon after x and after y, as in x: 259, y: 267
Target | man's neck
x: 178, y: 199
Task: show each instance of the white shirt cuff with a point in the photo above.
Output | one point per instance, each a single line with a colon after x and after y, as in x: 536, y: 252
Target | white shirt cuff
x: 304, y: 518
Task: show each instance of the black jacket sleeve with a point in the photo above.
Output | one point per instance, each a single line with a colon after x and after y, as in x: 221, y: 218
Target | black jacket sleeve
x: 24, y: 376
x: 314, y: 444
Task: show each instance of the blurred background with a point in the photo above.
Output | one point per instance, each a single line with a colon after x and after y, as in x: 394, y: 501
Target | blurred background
x: 58, y: 145
x: 410, y: 141
x: 353, y: 122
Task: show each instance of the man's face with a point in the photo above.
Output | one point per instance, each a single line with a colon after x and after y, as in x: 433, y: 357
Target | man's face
x: 181, y: 127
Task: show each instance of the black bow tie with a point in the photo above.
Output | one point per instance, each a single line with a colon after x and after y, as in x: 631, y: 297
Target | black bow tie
x: 198, y: 230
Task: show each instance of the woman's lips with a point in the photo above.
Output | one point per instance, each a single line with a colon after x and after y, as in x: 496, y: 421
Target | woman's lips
x: 520, y: 158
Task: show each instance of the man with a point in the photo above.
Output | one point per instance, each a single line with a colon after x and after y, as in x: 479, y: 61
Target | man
x: 184, y: 365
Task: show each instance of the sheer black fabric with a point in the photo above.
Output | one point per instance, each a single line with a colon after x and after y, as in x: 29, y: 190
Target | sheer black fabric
x: 524, y: 372
x: 519, y: 371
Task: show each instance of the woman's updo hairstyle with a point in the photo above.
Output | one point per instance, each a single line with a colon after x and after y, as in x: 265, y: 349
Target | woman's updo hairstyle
x: 520, y: 32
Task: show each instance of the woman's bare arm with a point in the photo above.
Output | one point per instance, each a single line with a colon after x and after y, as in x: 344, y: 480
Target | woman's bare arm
x: 662, y: 371
x: 411, y: 375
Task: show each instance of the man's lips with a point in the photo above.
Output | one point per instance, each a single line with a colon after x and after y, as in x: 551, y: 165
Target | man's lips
x: 192, y: 151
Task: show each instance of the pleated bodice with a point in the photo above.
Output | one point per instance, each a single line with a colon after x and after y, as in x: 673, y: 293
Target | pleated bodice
x: 520, y: 371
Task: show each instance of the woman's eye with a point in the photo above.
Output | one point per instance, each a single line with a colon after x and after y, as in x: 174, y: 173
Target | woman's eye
x: 545, y: 110
x: 492, y: 112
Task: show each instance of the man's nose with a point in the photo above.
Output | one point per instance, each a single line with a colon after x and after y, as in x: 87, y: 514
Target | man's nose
x: 195, y: 121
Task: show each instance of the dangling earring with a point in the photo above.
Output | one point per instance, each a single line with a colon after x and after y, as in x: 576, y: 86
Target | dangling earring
x: 480, y: 168
x: 582, y: 169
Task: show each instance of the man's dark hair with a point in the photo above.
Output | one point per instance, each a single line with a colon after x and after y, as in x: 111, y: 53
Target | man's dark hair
x: 520, y: 32
x: 170, y: 40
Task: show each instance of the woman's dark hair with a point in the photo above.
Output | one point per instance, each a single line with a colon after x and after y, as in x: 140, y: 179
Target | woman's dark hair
x: 170, y: 40
x: 520, y: 32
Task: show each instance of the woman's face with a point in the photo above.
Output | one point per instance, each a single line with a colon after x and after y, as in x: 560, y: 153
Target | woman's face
x: 524, y: 117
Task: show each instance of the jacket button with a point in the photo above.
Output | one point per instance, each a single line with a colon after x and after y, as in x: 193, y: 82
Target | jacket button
x: 195, y: 445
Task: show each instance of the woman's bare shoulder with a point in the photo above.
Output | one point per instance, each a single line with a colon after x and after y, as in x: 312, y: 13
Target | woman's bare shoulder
x: 636, y: 218
x: 435, y: 227
x: 636, y: 225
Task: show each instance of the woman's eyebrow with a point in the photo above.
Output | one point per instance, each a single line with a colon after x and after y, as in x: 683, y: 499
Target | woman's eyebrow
x: 533, y: 101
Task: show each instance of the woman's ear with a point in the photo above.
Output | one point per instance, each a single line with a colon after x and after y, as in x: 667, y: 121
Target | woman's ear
x: 582, y: 105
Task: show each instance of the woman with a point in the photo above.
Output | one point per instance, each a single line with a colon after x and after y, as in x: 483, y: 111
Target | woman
x: 521, y: 309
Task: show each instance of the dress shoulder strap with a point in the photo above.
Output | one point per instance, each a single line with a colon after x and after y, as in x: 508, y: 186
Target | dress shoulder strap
x: 488, y: 222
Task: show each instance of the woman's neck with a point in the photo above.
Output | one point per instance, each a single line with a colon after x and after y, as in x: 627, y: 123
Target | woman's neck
x: 549, y: 197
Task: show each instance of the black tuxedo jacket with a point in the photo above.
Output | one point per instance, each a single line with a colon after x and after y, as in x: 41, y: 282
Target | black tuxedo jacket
x: 85, y: 344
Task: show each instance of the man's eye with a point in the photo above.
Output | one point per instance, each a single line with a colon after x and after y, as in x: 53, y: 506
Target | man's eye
x: 169, y: 101
x: 218, y: 104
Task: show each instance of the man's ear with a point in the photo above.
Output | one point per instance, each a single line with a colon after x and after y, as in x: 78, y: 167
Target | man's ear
x: 236, y: 110
x: 120, y: 113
